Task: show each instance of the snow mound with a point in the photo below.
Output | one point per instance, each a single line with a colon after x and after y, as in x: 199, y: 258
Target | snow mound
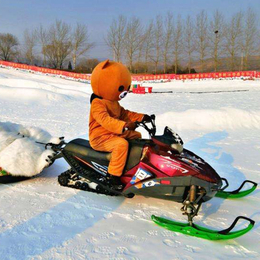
x: 31, y: 95
x: 52, y: 86
x: 204, y: 85
x: 29, y: 88
x: 21, y: 151
x: 207, y: 119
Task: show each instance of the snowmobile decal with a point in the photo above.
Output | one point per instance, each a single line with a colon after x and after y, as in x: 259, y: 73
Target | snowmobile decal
x: 166, y: 163
x: 100, y: 168
x: 146, y: 184
x: 178, y: 168
x: 140, y: 175
x: 83, y: 161
x: 175, y: 167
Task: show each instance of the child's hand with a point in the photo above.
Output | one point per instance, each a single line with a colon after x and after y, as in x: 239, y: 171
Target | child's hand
x: 130, y: 126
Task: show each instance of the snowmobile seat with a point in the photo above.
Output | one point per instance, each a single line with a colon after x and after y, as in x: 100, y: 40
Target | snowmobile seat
x: 82, y: 149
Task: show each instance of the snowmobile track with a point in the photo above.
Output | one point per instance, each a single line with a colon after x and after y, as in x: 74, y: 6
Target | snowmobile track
x: 78, y: 179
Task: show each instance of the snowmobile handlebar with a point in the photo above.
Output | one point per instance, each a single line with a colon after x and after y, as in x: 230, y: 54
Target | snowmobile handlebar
x: 151, y: 130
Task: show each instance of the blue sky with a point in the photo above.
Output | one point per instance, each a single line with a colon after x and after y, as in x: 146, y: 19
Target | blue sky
x: 18, y: 15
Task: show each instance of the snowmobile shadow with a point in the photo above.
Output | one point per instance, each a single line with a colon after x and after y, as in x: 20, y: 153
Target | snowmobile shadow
x: 50, y: 172
x: 54, y: 170
x: 12, y: 179
x: 220, y: 161
x: 57, y: 225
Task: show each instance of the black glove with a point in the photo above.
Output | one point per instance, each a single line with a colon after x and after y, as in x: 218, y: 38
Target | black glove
x: 147, y: 118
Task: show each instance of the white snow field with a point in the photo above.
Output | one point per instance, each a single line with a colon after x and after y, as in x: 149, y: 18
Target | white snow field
x: 217, y: 119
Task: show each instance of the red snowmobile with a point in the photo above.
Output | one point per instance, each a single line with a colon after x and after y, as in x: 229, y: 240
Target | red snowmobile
x: 158, y: 167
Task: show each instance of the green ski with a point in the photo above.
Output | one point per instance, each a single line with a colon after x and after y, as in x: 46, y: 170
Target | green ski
x: 202, y: 232
x: 236, y: 193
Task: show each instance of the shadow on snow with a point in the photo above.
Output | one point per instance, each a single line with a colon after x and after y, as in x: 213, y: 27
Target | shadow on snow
x: 222, y: 162
x: 73, y: 216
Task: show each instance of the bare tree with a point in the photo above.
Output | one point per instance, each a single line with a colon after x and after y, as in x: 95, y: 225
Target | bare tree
x: 19, y: 55
x: 59, y: 46
x: 148, y: 44
x: 233, y: 35
x: 86, y: 65
x: 80, y: 42
x: 43, y: 38
x: 249, y: 38
x: 30, y: 40
x: 167, y: 39
x: 216, y: 34
x: 189, y: 41
x: 141, y: 48
x: 133, y: 39
x: 115, y: 37
x: 8, y: 46
x: 157, y: 42
x: 177, y: 42
x: 202, y: 36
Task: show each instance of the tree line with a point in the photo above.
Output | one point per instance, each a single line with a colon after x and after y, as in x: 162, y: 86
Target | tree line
x: 167, y: 44
x: 59, y: 44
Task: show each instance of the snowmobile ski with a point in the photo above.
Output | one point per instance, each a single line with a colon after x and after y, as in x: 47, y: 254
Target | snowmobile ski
x: 205, y: 233
x: 236, y: 193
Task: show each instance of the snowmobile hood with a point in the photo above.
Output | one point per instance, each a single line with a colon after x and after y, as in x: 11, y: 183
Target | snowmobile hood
x: 186, y: 164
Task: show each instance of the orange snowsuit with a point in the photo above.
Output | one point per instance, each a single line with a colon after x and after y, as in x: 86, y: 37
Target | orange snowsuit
x: 107, y: 118
x: 106, y: 125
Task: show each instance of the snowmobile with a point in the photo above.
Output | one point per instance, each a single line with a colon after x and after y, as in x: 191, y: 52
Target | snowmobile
x: 158, y: 167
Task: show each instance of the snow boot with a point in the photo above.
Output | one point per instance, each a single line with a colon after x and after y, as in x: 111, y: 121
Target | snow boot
x: 115, y: 182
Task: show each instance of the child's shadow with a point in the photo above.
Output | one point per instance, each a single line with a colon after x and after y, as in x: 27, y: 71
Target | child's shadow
x: 220, y: 161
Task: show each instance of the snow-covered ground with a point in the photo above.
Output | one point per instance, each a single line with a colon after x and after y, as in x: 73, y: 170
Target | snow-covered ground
x: 218, y: 120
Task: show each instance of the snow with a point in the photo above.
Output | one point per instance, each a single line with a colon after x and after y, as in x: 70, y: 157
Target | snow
x: 217, y: 119
x: 22, y: 150
x: 225, y: 118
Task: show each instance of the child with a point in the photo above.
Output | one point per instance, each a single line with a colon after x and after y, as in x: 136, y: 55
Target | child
x: 110, y: 125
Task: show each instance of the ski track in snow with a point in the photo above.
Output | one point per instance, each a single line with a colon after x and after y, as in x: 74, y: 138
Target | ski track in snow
x: 41, y: 220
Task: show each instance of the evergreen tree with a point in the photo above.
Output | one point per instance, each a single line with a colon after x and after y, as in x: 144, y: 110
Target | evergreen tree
x: 69, y: 66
